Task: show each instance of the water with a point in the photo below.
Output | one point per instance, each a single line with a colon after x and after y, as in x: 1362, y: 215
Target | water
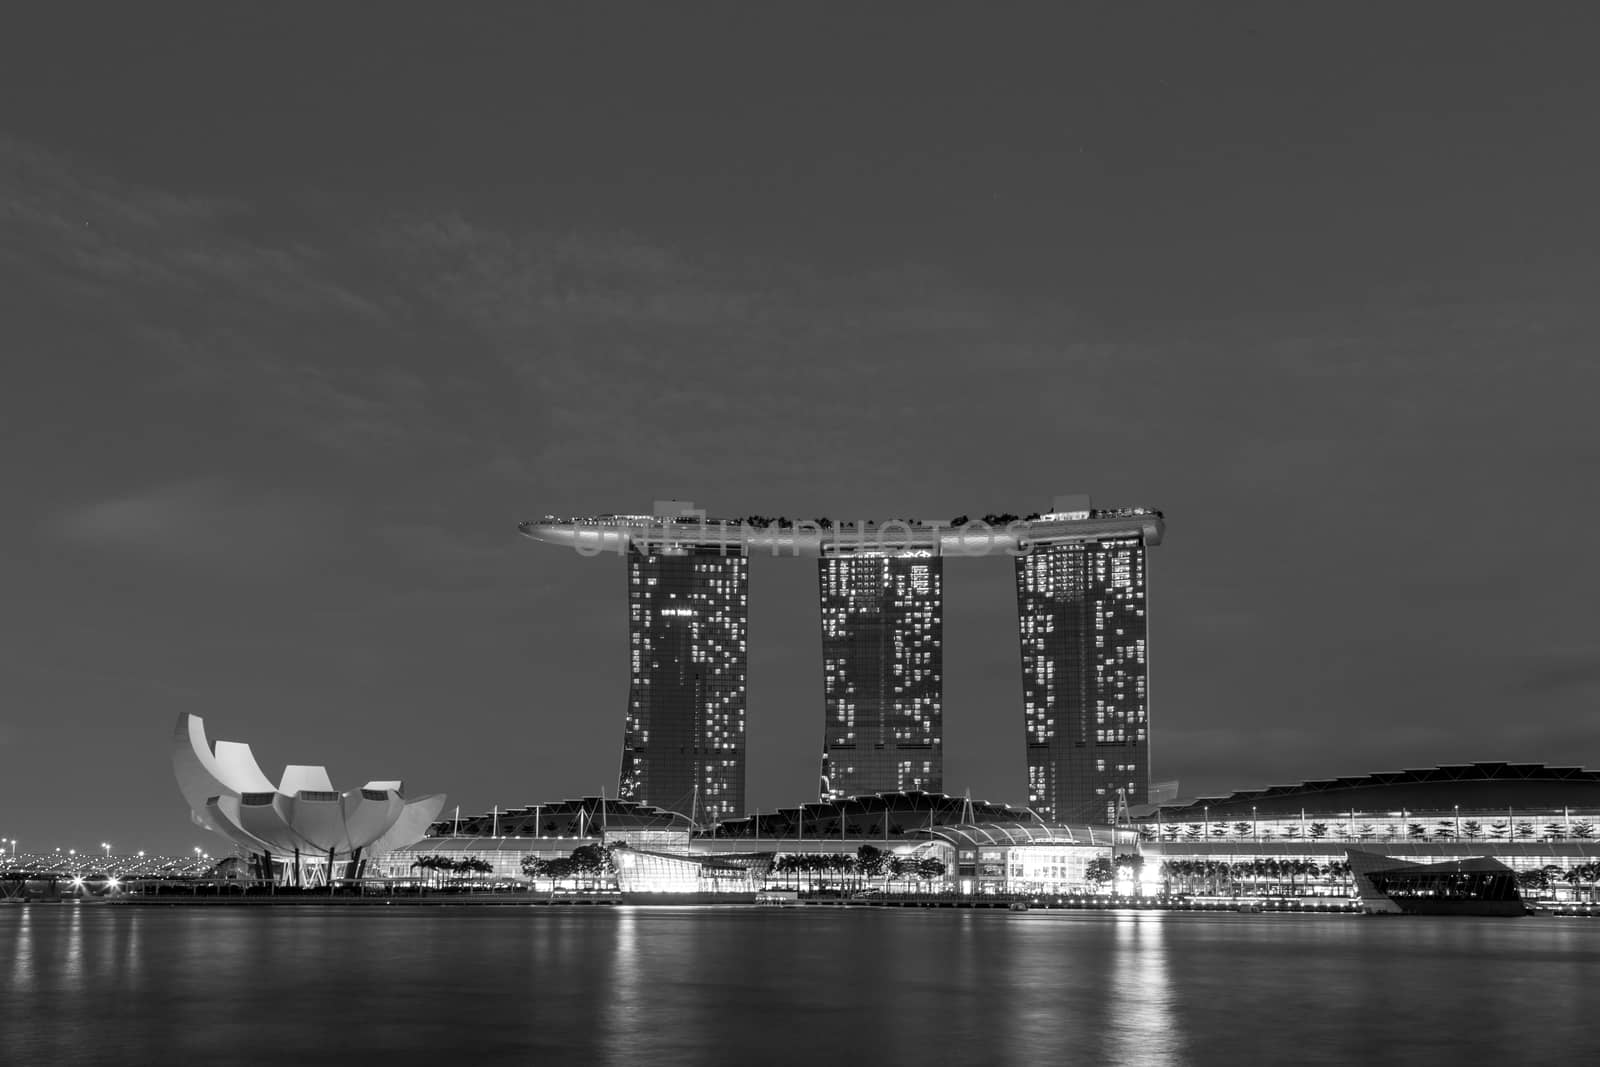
x: 301, y: 986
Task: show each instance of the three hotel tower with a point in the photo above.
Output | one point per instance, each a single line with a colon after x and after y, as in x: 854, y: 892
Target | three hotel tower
x: 1083, y: 628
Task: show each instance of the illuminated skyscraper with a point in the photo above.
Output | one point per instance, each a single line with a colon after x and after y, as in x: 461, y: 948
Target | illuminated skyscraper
x: 1081, y: 599
x: 883, y: 671
x: 683, y: 747
x: 1081, y: 609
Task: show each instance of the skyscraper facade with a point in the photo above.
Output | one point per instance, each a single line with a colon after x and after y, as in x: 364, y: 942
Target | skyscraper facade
x: 883, y: 672
x: 1085, y: 676
x: 683, y: 747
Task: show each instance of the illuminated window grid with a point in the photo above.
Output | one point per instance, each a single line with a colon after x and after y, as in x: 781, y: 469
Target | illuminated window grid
x: 684, y: 739
x: 1083, y: 638
x: 883, y: 672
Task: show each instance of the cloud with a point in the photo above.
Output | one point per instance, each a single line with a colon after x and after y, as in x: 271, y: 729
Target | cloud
x: 1570, y: 674
x: 492, y: 557
x: 208, y: 521
x: 198, y: 313
x: 443, y: 343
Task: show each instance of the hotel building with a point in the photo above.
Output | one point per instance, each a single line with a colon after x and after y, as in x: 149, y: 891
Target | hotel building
x: 683, y: 745
x: 883, y: 673
x: 1085, y: 679
x: 1080, y: 577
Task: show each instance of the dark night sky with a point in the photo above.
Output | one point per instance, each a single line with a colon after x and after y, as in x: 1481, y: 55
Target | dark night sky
x: 305, y: 307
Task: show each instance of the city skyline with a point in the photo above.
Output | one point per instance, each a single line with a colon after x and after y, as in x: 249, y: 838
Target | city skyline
x: 307, y: 312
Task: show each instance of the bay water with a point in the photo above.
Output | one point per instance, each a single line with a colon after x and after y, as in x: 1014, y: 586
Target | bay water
x: 309, y: 985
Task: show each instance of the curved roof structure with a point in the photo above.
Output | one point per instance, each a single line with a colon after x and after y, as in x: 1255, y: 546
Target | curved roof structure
x: 228, y: 794
x: 593, y: 535
x: 874, y: 815
x: 1475, y: 786
x: 580, y: 817
x: 867, y: 817
x: 1000, y: 834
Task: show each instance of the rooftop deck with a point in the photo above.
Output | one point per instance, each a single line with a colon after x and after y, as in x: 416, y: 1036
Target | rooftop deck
x: 596, y: 534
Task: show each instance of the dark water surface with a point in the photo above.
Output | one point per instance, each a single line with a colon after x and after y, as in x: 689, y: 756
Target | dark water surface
x: 312, y: 985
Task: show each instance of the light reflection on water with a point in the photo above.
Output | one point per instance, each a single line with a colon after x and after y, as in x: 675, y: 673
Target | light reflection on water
x: 307, y: 985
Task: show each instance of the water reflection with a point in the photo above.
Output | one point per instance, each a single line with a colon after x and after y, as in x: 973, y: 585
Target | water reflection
x: 623, y: 1017
x: 21, y: 946
x: 114, y: 985
x: 72, y: 956
x: 1142, y: 1026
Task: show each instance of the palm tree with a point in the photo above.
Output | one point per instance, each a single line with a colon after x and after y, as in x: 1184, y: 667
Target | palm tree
x: 434, y: 865
x: 1183, y: 871
x: 474, y: 865
x: 1552, y: 874
x: 1313, y: 870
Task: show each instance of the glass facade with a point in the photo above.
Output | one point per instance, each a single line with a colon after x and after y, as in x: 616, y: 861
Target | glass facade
x: 1465, y: 827
x: 1084, y: 636
x: 883, y: 673
x: 684, y: 745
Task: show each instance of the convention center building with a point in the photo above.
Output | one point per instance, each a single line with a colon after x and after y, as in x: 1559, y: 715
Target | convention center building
x: 1297, y: 840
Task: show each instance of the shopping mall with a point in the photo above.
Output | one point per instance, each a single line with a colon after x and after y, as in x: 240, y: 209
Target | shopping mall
x: 908, y: 842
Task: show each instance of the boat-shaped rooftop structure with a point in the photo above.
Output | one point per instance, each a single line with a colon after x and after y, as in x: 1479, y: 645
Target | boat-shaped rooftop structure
x: 689, y: 530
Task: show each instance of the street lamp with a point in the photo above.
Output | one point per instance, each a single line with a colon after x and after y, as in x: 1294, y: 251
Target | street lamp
x: 107, y: 846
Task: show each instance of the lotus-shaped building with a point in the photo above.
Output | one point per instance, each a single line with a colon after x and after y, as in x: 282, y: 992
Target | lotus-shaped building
x: 302, y: 818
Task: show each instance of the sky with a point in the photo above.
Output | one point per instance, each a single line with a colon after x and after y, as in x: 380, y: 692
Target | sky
x: 304, y: 307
